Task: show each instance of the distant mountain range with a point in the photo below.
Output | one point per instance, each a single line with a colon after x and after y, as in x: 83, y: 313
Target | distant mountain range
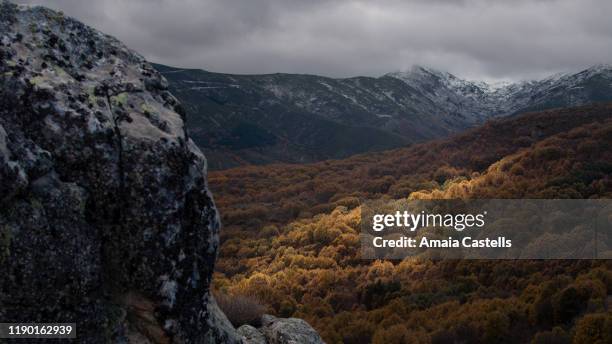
x: 257, y: 119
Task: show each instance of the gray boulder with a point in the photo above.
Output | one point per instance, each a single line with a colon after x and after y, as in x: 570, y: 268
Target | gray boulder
x: 251, y: 335
x: 288, y: 331
x: 106, y: 219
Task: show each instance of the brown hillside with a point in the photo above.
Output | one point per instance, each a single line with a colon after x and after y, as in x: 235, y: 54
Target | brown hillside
x: 291, y: 238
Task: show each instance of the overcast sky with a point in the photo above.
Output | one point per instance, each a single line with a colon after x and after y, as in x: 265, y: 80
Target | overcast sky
x: 476, y: 39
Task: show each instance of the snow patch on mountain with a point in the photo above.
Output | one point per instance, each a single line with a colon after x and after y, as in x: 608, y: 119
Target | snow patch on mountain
x: 479, y: 99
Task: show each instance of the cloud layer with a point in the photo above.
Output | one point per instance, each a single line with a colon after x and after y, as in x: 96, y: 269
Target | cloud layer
x: 476, y: 39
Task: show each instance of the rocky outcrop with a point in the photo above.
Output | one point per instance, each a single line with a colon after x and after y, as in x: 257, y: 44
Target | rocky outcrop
x: 105, y: 215
x: 288, y: 331
x: 280, y: 331
x: 106, y: 219
x: 251, y: 335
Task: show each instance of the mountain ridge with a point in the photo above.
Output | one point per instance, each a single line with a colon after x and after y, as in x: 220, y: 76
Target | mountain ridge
x: 297, y: 118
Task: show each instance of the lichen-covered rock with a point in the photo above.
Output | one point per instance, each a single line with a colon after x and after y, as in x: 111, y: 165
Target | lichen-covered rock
x: 288, y: 331
x: 251, y: 335
x: 105, y: 215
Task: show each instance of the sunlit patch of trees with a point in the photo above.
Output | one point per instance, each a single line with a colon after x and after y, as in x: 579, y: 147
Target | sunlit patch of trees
x: 290, y: 238
x: 557, y: 167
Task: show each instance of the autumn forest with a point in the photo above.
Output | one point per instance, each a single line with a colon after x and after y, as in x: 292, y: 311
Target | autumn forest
x: 290, y: 240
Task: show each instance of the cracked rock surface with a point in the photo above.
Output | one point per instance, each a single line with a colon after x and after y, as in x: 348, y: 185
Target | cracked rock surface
x: 288, y: 331
x: 105, y: 215
x: 280, y: 331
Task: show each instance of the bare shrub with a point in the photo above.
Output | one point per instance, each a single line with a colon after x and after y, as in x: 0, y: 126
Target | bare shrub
x: 241, y: 309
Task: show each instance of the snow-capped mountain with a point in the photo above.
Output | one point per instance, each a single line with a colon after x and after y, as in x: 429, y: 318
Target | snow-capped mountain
x: 451, y: 94
x: 478, y: 100
x: 300, y: 118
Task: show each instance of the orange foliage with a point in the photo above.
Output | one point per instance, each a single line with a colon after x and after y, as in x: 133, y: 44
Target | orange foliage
x: 291, y: 237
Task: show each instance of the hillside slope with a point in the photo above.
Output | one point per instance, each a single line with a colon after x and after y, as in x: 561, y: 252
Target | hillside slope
x: 291, y: 238
x: 313, y: 188
x: 256, y: 119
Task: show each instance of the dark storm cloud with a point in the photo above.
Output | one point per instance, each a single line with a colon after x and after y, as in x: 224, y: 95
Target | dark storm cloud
x: 472, y: 38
